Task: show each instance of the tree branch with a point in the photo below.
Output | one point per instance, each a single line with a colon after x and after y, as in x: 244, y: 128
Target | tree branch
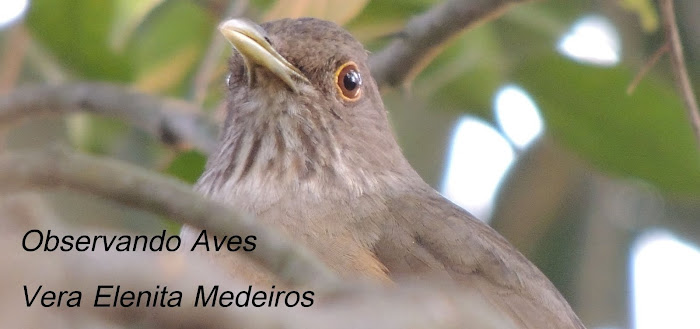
x: 173, y: 122
x: 423, y: 35
x: 12, y: 58
x: 648, y: 66
x: 680, y: 70
x: 136, y: 187
x: 409, y: 306
x: 133, y: 272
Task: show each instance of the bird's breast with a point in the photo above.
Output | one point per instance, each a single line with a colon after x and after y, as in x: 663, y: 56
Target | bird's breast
x: 325, y: 224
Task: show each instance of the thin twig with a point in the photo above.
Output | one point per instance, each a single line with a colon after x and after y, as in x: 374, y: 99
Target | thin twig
x: 648, y: 66
x: 139, y: 188
x: 174, y: 122
x: 415, y: 46
x: 13, y: 56
x: 212, y: 58
x: 680, y: 70
x: 46, y: 65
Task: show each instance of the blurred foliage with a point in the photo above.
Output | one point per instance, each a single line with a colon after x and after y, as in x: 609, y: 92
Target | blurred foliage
x: 645, y: 134
x: 646, y: 12
x: 338, y: 11
x: 77, y: 32
x: 187, y: 166
x: 157, y: 46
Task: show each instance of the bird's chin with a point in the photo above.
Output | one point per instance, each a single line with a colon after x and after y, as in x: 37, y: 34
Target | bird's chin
x: 270, y: 100
x: 273, y: 94
x: 268, y: 82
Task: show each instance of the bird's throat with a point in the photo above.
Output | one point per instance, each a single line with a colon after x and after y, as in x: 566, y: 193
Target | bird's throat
x: 266, y: 156
x: 282, y: 145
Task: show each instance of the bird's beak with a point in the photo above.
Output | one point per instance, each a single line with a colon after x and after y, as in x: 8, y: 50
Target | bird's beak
x: 249, y: 39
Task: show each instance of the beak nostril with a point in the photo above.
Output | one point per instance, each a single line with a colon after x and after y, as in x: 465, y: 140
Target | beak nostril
x: 254, y: 46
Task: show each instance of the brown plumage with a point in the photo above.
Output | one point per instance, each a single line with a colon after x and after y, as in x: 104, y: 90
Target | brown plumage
x: 313, y: 155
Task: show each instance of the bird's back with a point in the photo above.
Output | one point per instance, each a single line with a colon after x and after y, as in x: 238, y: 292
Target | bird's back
x: 429, y: 236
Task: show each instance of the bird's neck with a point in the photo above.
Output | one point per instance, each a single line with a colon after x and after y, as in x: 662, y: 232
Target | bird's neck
x: 263, y: 158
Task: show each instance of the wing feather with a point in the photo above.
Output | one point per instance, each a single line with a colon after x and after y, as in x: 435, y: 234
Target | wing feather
x: 433, y: 237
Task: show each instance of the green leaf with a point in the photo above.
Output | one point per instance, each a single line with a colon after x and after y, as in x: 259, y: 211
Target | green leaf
x: 338, y: 11
x: 187, y: 166
x: 648, y: 17
x: 645, y: 135
x: 77, y: 32
x: 129, y: 15
x: 383, y: 18
x: 95, y: 134
x: 167, y: 46
x: 466, y: 74
x: 380, y: 10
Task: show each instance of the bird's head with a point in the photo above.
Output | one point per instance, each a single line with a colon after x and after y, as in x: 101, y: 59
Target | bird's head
x: 303, y: 110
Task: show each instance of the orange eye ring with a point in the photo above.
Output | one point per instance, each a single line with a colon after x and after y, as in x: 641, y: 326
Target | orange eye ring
x: 348, y: 81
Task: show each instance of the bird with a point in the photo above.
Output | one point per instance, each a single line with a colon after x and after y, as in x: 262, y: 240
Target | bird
x: 307, y: 148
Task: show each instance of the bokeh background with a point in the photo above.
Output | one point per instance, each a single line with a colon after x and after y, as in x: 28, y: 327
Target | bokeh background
x: 526, y: 121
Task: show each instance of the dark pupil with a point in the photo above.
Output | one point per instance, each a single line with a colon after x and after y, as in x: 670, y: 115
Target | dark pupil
x: 351, y: 80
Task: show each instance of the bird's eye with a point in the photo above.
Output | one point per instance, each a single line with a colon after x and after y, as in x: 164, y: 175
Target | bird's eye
x: 348, y: 81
